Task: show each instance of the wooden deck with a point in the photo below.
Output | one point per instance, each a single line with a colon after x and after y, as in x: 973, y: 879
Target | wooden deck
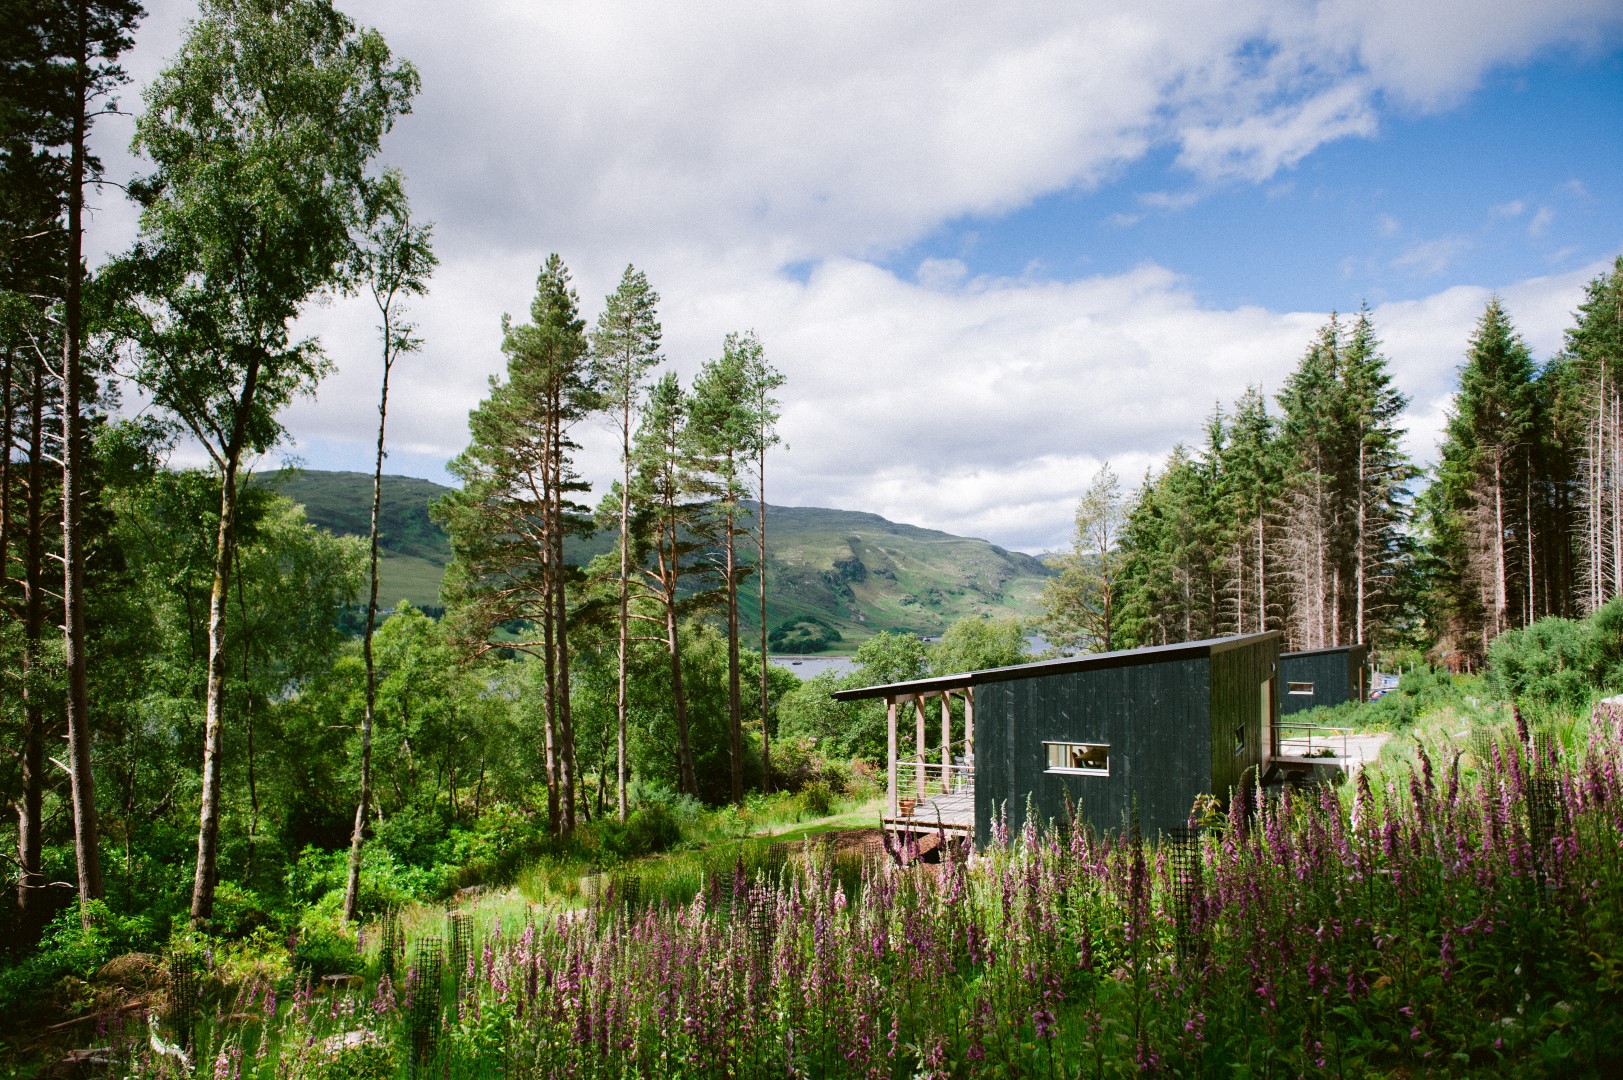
x: 952, y: 812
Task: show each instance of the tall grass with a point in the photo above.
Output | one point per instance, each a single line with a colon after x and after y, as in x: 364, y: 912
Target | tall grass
x: 1441, y: 920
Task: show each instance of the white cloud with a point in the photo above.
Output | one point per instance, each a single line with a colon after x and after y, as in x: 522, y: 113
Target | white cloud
x: 981, y: 406
x: 789, y: 132
x: 1432, y: 257
x: 1541, y: 221
x: 716, y: 143
x: 1256, y: 146
x: 1511, y: 209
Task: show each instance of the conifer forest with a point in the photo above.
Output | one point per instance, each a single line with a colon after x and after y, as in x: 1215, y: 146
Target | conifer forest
x: 264, y: 821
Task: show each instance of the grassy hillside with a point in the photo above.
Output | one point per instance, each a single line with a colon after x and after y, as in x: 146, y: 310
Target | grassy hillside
x: 829, y: 572
x: 861, y: 574
x: 415, y: 549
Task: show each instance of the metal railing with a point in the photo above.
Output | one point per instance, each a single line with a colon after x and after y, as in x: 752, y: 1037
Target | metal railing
x: 938, y: 780
x: 1310, y: 740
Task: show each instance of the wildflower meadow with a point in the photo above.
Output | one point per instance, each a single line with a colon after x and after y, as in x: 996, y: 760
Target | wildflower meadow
x: 1460, y: 916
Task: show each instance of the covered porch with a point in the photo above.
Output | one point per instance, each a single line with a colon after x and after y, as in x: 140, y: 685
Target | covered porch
x: 932, y: 789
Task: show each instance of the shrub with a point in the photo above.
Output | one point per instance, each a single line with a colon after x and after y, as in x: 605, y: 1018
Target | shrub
x: 653, y: 828
x: 238, y: 912
x: 70, y: 950
x: 323, y: 947
x: 797, y: 762
x: 650, y: 829
x: 1420, y: 691
x: 817, y: 799
x: 1554, y: 661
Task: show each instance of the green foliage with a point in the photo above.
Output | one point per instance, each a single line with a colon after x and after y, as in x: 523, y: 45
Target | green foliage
x: 1489, y: 510
x: 804, y: 634
x: 324, y: 947
x: 1333, y: 935
x: 357, y: 1055
x: 651, y: 829
x: 1554, y: 661
x: 73, y: 947
x: 817, y: 799
x: 975, y: 644
x: 1080, y: 605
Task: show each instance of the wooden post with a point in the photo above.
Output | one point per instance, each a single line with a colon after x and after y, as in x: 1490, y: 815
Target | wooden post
x: 969, y: 725
x: 890, y: 726
x: 918, y: 744
x: 946, y: 742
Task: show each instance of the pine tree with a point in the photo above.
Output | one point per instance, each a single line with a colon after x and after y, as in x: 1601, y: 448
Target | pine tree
x: 625, y: 348
x: 764, y: 382
x: 721, y: 436
x: 60, y: 60
x: 665, y: 488
x: 508, y: 522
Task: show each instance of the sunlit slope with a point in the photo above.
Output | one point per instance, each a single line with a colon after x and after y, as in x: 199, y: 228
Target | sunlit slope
x: 844, y: 572
x: 862, y: 574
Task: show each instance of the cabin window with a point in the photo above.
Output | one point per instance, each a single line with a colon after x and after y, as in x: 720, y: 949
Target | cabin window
x: 1239, y: 739
x: 1091, y: 759
x: 1302, y: 688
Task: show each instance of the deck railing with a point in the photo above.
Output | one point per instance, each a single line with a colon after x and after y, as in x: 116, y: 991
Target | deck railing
x: 1310, y: 740
x: 938, y: 779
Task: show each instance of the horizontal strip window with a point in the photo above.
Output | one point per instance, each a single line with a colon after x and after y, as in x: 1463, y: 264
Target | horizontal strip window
x: 1088, y: 759
x: 1301, y: 688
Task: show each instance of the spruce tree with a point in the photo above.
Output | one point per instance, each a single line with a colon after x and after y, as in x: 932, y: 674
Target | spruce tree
x: 1588, y: 398
x: 1482, y: 507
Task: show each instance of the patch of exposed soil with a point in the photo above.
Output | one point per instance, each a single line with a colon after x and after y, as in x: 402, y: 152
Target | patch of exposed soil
x: 868, y: 842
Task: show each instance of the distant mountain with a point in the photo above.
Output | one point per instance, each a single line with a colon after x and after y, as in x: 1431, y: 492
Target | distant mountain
x: 834, y: 577
x: 859, y: 574
x: 414, y: 549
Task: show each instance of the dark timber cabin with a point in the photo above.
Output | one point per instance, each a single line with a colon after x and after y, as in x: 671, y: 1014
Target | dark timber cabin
x: 1159, y: 726
x: 1323, y: 677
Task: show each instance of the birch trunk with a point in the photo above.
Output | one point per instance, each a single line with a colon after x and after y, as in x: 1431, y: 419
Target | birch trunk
x: 208, y: 828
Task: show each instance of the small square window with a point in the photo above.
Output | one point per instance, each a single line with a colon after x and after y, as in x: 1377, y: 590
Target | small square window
x: 1304, y: 688
x: 1090, y: 758
x: 1239, y: 738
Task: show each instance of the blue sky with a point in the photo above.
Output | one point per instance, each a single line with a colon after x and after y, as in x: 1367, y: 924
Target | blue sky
x: 991, y: 247
x: 1521, y: 179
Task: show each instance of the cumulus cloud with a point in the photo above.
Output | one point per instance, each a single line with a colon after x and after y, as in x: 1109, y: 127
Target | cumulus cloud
x: 718, y: 144
x: 977, y: 405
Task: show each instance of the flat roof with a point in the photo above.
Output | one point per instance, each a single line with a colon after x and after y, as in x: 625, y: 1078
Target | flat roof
x: 1064, y: 665
x: 1322, y: 652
